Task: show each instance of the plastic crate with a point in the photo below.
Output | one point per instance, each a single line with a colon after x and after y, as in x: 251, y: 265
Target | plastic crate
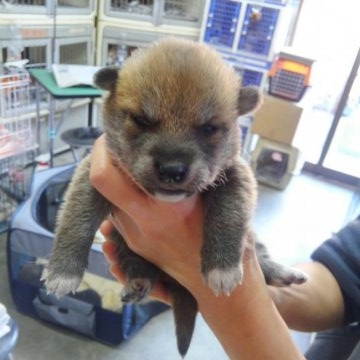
x: 142, y: 7
x: 220, y: 29
x: 251, y: 77
x: 183, y: 10
x: 289, y: 77
x: 287, y: 85
x: 258, y: 29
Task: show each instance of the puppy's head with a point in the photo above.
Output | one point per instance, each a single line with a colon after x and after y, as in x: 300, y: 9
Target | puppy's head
x: 171, y: 116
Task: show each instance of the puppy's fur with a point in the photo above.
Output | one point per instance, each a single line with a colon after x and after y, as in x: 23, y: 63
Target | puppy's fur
x: 170, y: 115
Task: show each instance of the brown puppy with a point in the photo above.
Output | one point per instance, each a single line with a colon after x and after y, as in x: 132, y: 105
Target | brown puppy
x: 170, y: 116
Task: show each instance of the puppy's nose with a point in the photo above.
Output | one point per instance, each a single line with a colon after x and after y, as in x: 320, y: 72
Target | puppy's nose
x: 172, y: 172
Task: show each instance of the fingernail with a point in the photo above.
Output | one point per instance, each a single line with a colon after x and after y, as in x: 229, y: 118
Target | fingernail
x: 113, y: 218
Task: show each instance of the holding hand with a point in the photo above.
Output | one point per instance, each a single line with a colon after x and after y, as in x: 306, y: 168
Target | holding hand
x: 170, y: 236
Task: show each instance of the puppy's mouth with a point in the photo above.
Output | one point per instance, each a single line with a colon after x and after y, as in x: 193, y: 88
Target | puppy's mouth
x: 167, y: 195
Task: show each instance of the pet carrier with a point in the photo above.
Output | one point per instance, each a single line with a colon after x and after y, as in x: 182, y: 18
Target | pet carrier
x: 274, y: 163
x: 290, y: 76
x: 95, y: 310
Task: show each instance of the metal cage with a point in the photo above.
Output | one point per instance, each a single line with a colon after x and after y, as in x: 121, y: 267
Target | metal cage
x: 17, y: 142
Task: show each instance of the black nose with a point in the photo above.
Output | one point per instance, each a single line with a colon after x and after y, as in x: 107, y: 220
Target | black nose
x: 172, y: 172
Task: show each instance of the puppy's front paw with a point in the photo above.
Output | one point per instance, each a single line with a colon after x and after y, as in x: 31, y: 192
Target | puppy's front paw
x: 286, y: 277
x: 60, y: 284
x: 223, y: 281
x: 136, y: 290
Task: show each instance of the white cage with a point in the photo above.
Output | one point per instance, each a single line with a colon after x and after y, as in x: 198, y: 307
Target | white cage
x: 183, y: 13
x: 115, y: 41
x: 46, y: 7
x: 74, y: 44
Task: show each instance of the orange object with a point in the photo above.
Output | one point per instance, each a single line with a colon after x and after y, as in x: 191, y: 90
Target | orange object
x: 289, y: 76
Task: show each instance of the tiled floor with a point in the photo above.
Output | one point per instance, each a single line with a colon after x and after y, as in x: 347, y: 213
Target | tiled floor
x: 291, y: 222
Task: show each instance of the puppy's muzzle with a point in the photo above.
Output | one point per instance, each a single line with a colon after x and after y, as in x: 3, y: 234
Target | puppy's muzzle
x: 172, y: 172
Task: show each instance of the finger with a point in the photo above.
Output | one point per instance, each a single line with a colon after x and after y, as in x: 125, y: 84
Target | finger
x: 106, y: 228
x: 109, y: 250
x: 159, y: 292
x: 118, y: 273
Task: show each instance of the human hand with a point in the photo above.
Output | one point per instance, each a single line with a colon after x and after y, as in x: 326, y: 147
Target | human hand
x: 170, y: 236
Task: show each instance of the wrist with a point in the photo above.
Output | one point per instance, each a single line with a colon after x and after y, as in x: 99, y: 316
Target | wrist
x: 246, y: 322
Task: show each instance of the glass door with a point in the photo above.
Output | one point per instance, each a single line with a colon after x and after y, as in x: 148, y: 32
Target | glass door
x: 329, y: 130
x: 341, y: 151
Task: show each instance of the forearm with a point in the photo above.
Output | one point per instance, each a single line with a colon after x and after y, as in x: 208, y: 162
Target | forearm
x: 313, y: 306
x: 247, y: 323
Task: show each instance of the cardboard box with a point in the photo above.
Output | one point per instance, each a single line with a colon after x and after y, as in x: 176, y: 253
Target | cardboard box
x: 277, y: 120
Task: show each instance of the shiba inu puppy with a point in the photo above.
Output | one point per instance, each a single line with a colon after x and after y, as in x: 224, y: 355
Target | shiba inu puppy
x: 170, y: 115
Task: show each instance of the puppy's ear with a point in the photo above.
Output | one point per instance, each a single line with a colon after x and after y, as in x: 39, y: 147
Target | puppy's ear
x: 249, y: 99
x: 106, y: 77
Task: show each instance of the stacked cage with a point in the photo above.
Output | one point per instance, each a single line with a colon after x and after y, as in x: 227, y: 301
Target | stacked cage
x: 125, y: 25
x: 247, y: 34
x: 17, y: 142
x: 48, y: 34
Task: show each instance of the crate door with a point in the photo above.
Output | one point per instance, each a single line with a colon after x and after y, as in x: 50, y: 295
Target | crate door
x: 187, y: 13
x: 221, y: 23
x: 32, y: 7
x: 74, y: 51
x: 142, y: 10
x: 37, y: 51
x: 75, y: 7
x: 258, y: 28
x: 115, y: 44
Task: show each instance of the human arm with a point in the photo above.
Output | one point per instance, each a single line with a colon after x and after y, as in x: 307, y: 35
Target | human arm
x: 315, y: 305
x: 246, y: 323
x: 331, y: 296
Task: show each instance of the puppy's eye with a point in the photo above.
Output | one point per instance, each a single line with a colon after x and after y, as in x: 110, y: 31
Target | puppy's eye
x: 140, y: 120
x: 209, y: 129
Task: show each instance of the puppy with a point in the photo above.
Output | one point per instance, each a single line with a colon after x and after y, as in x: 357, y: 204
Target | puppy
x: 170, y: 115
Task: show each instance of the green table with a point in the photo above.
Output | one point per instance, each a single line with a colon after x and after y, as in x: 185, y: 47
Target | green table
x: 46, y: 80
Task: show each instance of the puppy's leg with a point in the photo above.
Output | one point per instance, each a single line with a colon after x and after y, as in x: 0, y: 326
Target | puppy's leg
x: 141, y: 275
x: 80, y: 217
x: 185, y: 311
x: 277, y: 274
x: 229, y: 208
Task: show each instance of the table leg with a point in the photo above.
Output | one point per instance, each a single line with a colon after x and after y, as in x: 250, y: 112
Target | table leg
x: 37, y: 98
x: 52, y: 130
x: 90, y: 112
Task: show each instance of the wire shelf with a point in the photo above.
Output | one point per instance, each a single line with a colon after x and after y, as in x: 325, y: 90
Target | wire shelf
x: 16, y: 133
x: 17, y: 143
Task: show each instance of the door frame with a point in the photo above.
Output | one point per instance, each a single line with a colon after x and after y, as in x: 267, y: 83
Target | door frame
x: 319, y: 167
